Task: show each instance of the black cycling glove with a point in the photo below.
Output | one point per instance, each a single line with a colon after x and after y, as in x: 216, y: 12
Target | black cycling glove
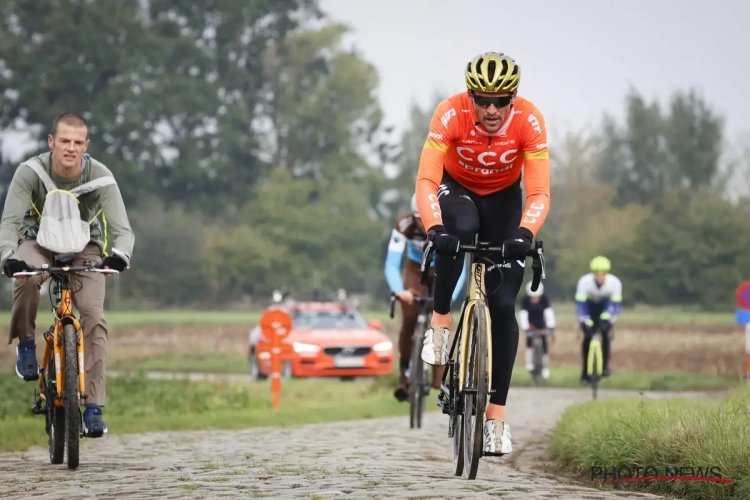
x: 114, y: 262
x: 519, y: 246
x: 13, y: 266
x: 442, y: 242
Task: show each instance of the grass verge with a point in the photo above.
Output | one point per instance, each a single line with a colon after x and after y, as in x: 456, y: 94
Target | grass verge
x: 662, y: 435
x: 136, y: 404
x: 564, y: 312
x: 564, y: 376
x: 179, y: 317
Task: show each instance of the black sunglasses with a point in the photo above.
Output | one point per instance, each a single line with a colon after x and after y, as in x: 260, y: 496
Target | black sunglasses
x: 485, y: 101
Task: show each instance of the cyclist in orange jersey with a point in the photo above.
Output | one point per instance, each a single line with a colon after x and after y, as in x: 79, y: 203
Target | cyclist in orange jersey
x: 469, y: 181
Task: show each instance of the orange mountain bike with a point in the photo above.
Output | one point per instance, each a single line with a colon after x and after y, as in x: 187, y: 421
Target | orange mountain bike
x: 62, y: 379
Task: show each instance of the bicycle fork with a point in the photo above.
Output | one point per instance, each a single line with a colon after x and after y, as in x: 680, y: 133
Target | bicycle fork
x: 54, y: 345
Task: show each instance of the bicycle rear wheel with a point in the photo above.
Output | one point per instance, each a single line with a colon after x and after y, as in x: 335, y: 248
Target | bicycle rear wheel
x: 72, y: 396
x: 475, y: 391
x: 416, y: 381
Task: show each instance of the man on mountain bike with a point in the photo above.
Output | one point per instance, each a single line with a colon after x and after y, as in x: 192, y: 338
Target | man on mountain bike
x: 536, y: 314
x: 68, y: 166
x: 409, y: 237
x: 469, y: 182
x: 598, y: 300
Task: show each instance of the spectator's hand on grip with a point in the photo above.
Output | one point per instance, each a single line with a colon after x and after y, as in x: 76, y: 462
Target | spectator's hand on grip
x: 113, y: 262
x: 444, y: 243
x: 13, y: 266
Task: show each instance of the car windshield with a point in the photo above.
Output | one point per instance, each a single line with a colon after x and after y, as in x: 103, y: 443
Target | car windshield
x: 328, y: 319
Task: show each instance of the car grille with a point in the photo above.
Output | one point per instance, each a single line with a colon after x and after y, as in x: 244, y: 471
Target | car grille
x: 347, y: 351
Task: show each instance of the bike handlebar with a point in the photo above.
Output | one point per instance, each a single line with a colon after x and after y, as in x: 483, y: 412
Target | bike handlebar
x: 45, y: 268
x: 417, y: 299
x: 536, y: 252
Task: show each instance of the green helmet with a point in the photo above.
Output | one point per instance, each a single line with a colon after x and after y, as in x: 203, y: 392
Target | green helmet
x: 600, y: 264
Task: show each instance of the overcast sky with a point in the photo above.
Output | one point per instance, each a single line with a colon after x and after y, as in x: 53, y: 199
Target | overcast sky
x: 578, y: 57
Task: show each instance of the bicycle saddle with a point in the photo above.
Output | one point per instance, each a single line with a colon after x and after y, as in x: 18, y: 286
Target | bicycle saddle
x: 64, y: 259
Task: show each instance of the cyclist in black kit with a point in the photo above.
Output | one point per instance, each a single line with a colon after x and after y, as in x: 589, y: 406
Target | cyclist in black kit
x: 536, y: 314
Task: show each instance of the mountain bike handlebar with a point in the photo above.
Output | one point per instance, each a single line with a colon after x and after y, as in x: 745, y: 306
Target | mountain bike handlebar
x: 47, y: 269
x: 417, y: 300
x: 536, y: 252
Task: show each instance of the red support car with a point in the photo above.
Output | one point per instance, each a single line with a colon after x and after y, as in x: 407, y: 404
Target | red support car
x: 328, y: 339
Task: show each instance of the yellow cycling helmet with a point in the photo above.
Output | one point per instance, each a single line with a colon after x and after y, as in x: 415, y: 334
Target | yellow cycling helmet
x: 600, y: 264
x: 493, y: 72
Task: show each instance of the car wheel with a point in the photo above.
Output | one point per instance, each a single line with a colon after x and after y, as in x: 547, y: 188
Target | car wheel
x: 286, y: 370
x: 255, y: 370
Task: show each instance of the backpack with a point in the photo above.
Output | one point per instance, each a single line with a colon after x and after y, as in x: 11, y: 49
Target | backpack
x: 61, y: 229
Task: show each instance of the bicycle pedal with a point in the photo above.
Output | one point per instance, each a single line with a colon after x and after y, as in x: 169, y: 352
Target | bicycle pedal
x: 36, y: 408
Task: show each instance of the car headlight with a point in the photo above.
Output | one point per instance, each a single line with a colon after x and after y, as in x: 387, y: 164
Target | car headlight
x: 301, y: 347
x: 383, y: 346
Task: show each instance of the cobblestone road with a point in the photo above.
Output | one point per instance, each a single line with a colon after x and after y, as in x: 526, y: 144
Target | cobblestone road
x: 379, y: 458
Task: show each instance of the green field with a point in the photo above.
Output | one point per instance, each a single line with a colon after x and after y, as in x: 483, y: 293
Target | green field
x: 139, y: 405
x: 564, y: 312
x: 566, y: 376
x: 661, y: 434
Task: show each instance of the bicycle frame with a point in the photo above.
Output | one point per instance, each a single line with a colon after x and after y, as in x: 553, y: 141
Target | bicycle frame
x: 465, y: 401
x: 595, y: 348
x: 63, y: 315
x: 475, y: 294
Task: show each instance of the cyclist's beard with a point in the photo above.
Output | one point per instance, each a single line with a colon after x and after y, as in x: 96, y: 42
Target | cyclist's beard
x: 505, y: 124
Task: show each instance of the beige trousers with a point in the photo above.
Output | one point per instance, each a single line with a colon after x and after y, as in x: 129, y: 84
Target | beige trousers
x: 88, y: 299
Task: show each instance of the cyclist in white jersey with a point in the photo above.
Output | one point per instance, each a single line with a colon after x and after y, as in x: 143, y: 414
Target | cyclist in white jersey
x: 598, y: 301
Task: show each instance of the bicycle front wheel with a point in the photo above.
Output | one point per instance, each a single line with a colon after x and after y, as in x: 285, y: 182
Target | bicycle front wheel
x: 456, y: 420
x: 55, y: 414
x: 72, y: 396
x: 595, y: 372
x: 475, y: 391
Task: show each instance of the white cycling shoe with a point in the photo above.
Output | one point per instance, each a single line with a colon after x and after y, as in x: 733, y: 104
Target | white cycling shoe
x: 435, y: 348
x: 497, y: 444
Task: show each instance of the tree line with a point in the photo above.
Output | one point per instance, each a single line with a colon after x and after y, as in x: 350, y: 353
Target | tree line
x: 252, y: 153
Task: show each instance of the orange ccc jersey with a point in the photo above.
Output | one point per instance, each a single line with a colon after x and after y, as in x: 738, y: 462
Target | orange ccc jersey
x: 485, y: 163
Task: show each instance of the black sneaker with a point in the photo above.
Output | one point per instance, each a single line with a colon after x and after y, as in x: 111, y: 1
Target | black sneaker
x: 93, y: 424
x: 26, y: 366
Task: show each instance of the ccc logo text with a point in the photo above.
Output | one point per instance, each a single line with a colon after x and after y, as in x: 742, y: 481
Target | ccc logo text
x: 483, y: 161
